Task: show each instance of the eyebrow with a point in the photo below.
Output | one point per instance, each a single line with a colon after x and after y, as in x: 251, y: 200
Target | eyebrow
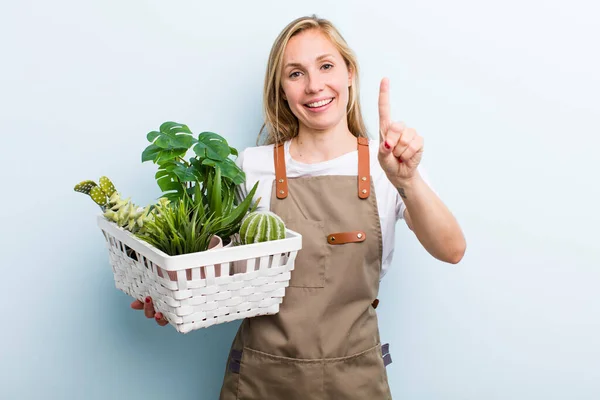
x: 322, y: 56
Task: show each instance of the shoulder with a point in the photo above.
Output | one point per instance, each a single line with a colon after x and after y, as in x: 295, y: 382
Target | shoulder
x: 256, y: 160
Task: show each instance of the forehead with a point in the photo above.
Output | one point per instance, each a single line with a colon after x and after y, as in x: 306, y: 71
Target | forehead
x: 306, y: 46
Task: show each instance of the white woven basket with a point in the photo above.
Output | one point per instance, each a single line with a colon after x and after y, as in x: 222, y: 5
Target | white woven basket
x: 190, y: 294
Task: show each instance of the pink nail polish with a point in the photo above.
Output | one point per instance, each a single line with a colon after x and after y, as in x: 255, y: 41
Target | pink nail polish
x: 148, y: 299
x: 387, y: 146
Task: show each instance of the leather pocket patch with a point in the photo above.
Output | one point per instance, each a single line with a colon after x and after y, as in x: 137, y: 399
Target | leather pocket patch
x: 346, y: 237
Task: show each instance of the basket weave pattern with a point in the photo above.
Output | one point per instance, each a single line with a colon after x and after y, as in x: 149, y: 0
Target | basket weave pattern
x: 185, y: 288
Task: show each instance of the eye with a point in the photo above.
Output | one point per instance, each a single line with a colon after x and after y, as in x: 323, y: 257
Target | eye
x: 295, y: 74
x: 327, y: 66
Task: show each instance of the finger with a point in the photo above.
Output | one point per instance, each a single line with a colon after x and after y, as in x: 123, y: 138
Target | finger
x: 394, y: 134
x: 137, y: 305
x: 415, y: 146
x: 404, y: 141
x: 160, y: 319
x: 149, y: 308
x: 384, y: 106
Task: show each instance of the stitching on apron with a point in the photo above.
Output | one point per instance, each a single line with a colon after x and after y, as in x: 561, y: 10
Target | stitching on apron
x: 312, y: 360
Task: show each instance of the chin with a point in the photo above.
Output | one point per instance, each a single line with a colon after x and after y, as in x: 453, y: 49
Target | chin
x: 321, y: 124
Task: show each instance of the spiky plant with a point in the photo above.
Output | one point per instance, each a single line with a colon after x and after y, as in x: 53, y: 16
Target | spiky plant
x: 179, y: 227
x: 121, y: 211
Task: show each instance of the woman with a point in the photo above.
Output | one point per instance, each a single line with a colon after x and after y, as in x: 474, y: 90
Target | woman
x: 344, y: 194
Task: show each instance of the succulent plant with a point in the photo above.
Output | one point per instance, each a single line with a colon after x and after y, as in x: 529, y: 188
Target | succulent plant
x: 100, y: 194
x: 121, y: 211
x: 261, y: 226
x: 126, y: 214
x: 92, y: 189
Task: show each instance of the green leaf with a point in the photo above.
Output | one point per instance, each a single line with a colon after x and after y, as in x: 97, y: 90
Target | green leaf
x: 174, y: 127
x: 152, y: 135
x: 161, y: 173
x: 240, y: 211
x: 151, y: 153
x: 231, y: 171
x: 215, y: 194
x: 184, y: 173
x: 167, y: 185
x: 175, y: 142
x: 166, y: 155
x: 212, y: 146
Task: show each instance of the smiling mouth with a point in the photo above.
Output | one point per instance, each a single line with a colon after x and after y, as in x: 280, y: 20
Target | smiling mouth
x: 318, y: 104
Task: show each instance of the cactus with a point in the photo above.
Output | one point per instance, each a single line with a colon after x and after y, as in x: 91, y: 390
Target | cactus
x: 100, y: 194
x: 121, y: 211
x: 261, y: 226
x: 107, y: 186
x: 85, y: 186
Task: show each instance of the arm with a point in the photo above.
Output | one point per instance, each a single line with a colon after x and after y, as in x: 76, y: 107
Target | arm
x: 431, y: 221
x: 400, y: 153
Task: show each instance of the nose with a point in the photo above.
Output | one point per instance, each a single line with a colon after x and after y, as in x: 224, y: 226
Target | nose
x: 314, y: 84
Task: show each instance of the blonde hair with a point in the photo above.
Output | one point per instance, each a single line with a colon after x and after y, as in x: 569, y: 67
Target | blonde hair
x: 280, y: 123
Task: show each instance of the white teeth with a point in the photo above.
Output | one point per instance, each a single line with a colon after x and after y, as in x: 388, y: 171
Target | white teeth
x: 320, y: 103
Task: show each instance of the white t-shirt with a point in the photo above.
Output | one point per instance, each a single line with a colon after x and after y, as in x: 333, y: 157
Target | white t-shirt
x: 257, y: 163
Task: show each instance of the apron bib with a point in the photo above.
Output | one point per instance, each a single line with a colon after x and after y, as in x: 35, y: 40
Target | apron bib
x: 324, y: 342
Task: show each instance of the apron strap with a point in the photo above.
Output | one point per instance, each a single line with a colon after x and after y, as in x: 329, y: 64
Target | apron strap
x: 280, y: 175
x: 364, y: 173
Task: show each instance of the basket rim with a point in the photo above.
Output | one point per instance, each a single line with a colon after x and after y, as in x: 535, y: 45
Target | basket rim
x: 292, y: 242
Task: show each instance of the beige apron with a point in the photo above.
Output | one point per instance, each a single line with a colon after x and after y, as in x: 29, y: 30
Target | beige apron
x: 324, y: 342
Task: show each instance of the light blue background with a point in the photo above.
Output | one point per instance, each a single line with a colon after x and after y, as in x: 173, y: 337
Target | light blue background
x: 505, y: 94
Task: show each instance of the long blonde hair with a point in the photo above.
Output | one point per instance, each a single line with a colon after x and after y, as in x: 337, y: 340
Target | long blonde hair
x: 280, y: 123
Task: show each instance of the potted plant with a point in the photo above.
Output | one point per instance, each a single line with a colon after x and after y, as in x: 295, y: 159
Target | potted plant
x: 209, y: 177
x: 172, y: 250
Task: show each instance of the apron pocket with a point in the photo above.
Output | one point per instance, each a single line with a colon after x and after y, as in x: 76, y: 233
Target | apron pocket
x: 311, y: 260
x: 265, y: 376
x: 362, y: 376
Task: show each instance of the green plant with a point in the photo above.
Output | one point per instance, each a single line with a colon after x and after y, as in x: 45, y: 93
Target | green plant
x: 209, y: 177
x: 123, y: 212
x: 261, y: 226
x: 179, y: 227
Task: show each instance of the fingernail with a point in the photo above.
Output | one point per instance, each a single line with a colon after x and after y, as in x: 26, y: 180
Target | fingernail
x: 148, y: 299
x: 387, y: 146
x: 399, y: 159
x: 158, y: 315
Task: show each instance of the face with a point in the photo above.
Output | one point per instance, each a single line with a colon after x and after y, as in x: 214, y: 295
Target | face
x: 315, y: 81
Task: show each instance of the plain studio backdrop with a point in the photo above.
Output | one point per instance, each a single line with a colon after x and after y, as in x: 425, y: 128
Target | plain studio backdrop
x: 504, y: 93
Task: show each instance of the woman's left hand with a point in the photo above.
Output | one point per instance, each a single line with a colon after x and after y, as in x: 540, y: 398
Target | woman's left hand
x: 400, y: 147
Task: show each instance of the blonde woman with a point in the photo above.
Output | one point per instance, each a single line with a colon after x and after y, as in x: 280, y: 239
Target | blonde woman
x: 344, y: 193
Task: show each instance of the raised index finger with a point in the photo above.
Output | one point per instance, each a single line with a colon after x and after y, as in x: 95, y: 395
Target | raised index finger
x: 384, y: 104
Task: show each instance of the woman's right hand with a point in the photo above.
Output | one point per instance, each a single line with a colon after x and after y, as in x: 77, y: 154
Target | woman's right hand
x: 149, y: 311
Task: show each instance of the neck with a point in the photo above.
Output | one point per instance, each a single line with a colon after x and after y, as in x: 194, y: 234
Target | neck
x: 314, y: 146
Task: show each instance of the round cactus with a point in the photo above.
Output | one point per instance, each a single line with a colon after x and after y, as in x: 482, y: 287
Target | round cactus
x: 261, y: 226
